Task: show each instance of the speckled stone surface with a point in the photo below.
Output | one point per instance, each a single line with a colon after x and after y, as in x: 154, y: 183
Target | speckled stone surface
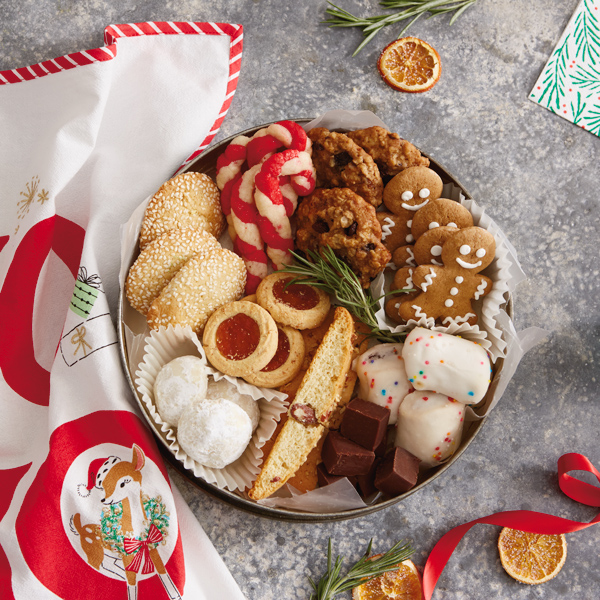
x: 538, y: 177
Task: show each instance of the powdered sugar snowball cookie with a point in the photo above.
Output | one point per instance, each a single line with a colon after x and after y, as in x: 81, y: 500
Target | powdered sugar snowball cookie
x: 160, y: 260
x: 203, y: 284
x: 187, y: 200
x: 382, y: 377
x: 448, y: 364
x: 224, y: 389
x: 178, y: 384
x: 214, y: 433
x: 429, y: 426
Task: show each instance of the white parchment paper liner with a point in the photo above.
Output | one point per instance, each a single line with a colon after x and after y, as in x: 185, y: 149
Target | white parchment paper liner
x: 496, y: 333
x: 166, y: 344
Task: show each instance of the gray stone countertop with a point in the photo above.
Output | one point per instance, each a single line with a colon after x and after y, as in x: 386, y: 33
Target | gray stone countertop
x: 536, y: 174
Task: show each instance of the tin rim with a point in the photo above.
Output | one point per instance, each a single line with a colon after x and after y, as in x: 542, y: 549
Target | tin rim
x: 206, y: 163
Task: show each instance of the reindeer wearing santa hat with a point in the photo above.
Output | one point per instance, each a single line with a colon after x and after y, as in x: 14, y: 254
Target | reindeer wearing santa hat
x: 135, y: 533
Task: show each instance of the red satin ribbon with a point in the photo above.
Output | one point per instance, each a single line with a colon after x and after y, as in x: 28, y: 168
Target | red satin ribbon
x: 523, y: 520
x: 132, y: 545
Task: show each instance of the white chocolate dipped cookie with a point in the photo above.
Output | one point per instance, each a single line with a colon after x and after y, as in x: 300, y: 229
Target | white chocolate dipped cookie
x: 429, y: 426
x: 382, y: 377
x: 448, y: 364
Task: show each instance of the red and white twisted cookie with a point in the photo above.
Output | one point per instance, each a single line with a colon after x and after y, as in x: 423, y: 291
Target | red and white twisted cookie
x: 248, y: 243
x: 267, y: 141
x: 229, y: 170
x: 275, y: 209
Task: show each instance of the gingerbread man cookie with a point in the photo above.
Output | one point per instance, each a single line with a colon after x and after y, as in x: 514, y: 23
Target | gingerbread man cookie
x: 410, y: 190
x: 447, y: 291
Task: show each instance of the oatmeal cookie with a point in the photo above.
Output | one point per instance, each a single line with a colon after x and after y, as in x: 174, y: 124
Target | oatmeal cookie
x: 340, y: 162
x: 390, y: 152
x: 342, y: 220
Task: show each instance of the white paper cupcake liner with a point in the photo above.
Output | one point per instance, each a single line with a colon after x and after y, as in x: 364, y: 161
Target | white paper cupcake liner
x: 164, y: 345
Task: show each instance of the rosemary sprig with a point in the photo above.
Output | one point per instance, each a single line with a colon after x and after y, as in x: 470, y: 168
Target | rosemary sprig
x: 331, y: 274
x: 332, y: 583
x: 411, y: 10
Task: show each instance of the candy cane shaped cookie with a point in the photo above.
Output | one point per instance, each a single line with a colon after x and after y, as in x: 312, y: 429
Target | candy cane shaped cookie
x: 283, y: 134
x: 229, y: 170
x: 248, y: 243
x: 274, y: 211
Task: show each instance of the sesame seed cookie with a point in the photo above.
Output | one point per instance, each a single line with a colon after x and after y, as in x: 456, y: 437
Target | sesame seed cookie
x: 160, y: 260
x: 187, y: 200
x: 203, y: 284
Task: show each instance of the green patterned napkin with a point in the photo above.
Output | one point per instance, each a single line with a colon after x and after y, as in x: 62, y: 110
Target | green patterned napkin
x: 570, y: 82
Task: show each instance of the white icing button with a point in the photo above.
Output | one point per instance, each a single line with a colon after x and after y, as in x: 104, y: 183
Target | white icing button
x: 465, y: 249
x: 459, y: 279
x: 410, y: 239
x: 436, y: 251
x: 409, y: 223
x: 406, y: 196
x: 452, y: 225
x: 480, y: 253
x: 449, y: 303
x: 423, y: 193
x: 454, y: 291
x: 433, y: 225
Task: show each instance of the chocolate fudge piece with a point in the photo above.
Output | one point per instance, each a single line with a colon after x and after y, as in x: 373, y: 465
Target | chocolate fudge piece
x: 397, y: 472
x: 381, y: 450
x: 365, y: 423
x: 365, y: 484
x: 344, y: 457
x: 324, y: 478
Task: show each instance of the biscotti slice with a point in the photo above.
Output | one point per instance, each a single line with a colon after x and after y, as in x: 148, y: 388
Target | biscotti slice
x: 322, y: 384
x: 290, y: 451
x: 315, y: 400
x: 203, y: 284
x: 160, y: 260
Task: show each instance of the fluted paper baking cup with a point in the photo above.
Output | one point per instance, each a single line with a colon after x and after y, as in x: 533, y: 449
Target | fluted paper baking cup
x: 165, y: 344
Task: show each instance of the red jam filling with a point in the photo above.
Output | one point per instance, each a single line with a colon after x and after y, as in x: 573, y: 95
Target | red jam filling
x: 282, y: 353
x: 297, y: 295
x: 238, y: 337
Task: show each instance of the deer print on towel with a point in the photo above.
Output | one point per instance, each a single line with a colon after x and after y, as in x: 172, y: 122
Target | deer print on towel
x: 132, y: 525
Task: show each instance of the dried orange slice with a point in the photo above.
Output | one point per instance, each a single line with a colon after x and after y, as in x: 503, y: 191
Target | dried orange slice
x: 531, y: 557
x: 402, y: 583
x: 410, y: 65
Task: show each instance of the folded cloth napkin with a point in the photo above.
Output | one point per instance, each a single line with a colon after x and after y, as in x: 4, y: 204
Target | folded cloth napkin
x: 87, y: 509
x: 570, y: 82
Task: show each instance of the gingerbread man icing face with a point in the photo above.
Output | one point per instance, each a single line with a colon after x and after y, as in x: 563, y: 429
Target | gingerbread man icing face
x: 412, y: 189
x: 447, y: 291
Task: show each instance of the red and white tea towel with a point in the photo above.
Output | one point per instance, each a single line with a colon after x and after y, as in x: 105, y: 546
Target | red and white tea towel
x: 86, y: 508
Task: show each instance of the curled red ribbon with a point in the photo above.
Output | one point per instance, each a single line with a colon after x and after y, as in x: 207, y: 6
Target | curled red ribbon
x: 132, y: 545
x: 523, y: 520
